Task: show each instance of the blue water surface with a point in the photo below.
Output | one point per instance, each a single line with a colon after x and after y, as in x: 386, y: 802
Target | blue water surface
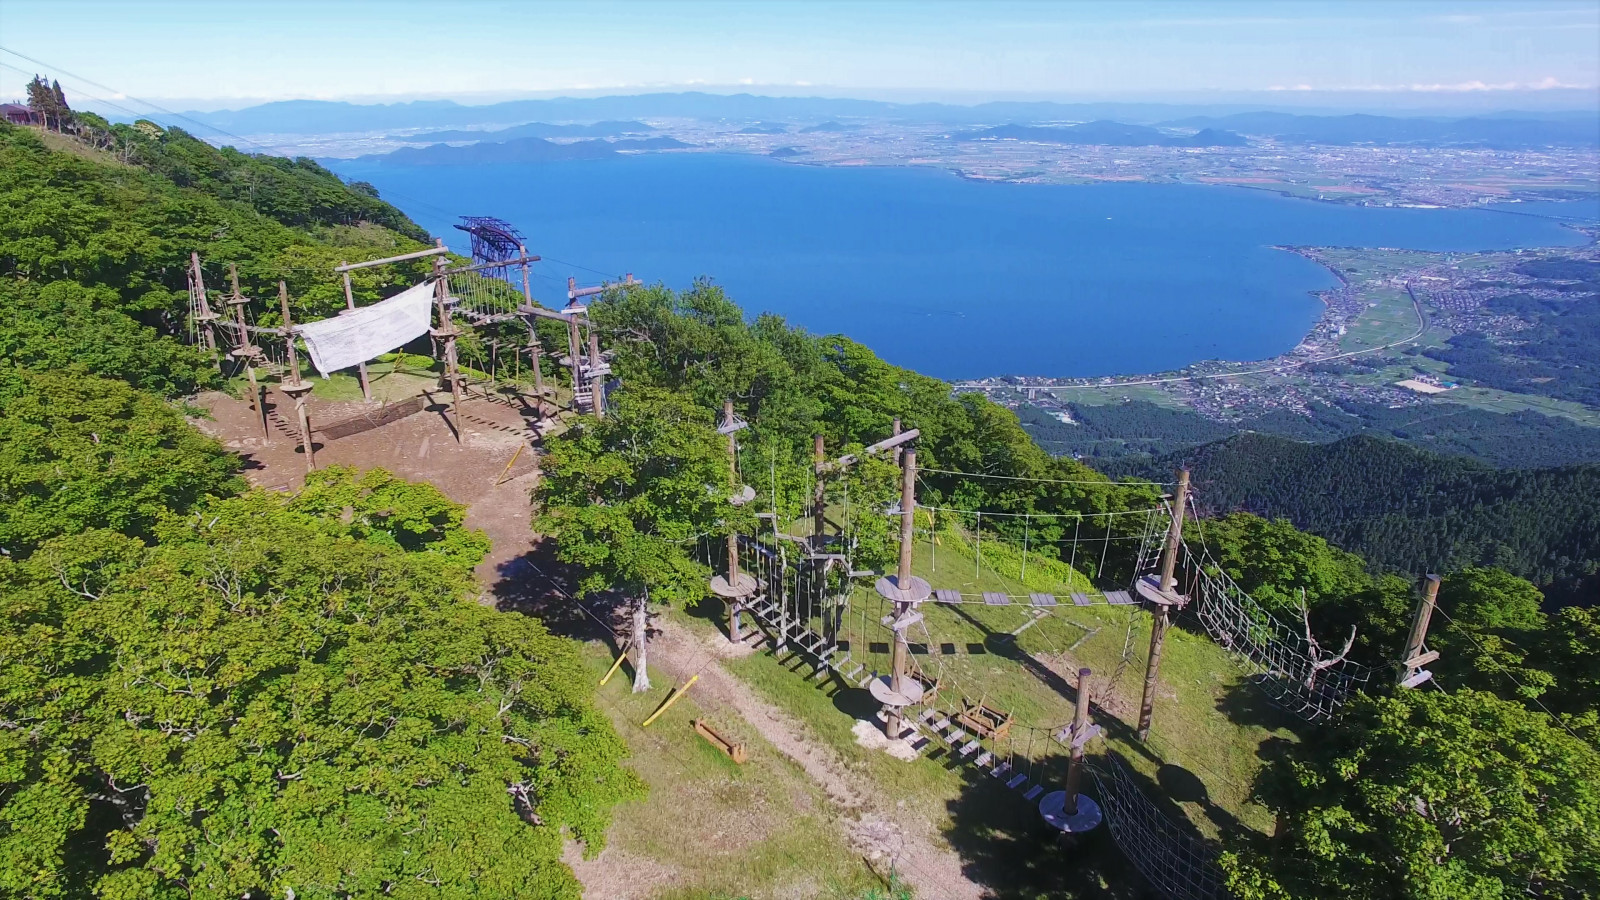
x: 951, y: 277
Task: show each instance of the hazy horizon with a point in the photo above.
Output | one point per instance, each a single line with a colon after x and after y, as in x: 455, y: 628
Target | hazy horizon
x: 1448, y: 56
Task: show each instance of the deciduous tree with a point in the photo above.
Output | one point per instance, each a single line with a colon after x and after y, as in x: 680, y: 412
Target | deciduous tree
x: 1429, y: 796
x: 629, y: 498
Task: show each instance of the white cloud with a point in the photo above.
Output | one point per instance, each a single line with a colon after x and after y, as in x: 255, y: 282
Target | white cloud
x: 1460, y: 87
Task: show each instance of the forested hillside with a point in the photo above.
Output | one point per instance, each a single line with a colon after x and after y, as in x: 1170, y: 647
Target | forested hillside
x: 1408, y: 509
x: 1120, y: 437
x: 208, y: 691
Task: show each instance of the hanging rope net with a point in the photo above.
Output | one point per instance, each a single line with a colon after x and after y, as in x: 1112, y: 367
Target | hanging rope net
x: 1175, y: 862
x: 481, y: 299
x: 1279, y: 658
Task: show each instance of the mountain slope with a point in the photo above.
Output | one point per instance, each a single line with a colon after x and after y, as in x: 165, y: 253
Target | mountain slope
x: 1408, y: 509
x: 1106, y: 133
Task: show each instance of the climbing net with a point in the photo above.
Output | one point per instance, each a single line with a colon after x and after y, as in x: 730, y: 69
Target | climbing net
x: 1287, y: 668
x: 482, y: 299
x: 1175, y: 862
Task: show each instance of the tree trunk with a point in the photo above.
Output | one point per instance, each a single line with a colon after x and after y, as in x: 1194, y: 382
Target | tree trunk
x: 641, y: 672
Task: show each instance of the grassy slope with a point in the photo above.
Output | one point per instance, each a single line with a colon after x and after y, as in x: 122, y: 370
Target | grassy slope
x: 761, y: 830
x: 1210, y: 727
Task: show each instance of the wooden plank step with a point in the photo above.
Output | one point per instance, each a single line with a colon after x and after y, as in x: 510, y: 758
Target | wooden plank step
x: 955, y: 736
x: 947, y: 595
x: 1016, y: 780
x: 995, y: 598
x: 1043, y: 599
x: 928, y: 715
x: 1119, y: 598
x: 940, y: 725
x: 1001, y: 770
x: 968, y: 748
x: 983, y: 759
x: 1081, y: 599
x: 1033, y: 792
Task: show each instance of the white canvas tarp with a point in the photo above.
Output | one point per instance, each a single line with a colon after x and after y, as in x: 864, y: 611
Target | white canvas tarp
x: 362, y: 334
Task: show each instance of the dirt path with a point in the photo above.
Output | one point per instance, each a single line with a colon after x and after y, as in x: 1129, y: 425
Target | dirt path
x: 877, y: 827
x: 422, y: 447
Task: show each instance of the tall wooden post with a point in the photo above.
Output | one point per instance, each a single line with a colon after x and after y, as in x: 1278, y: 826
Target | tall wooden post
x: 819, y: 494
x: 1413, y: 659
x: 573, y: 351
x: 293, y: 385
x: 733, y: 539
x: 597, y: 375
x: 1160, y: 619
x: 247, y: 353
x: 1080, y: 724
x: 349, y: 306
x: 527, y: 289
x: 897, y: 451
x: 447, y: 331
x: 207, y: 318
x: 900, y: 654
x: 534, y: 350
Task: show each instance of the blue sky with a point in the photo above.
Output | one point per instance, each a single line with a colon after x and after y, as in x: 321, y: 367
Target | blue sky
x: 219, y: 53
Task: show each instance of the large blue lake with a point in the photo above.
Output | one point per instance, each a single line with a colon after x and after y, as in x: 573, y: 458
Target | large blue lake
x: 951, y: 277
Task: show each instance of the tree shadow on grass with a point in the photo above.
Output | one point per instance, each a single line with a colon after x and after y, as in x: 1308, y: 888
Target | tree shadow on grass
x: 1246, y: 704
x: 539, y: 585
x: 1006, y: 845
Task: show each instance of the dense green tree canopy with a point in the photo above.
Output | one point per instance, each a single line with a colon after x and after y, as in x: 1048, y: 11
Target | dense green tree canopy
x: 377, y: 506
x: 79, y: 452
x: 630, y: 497
x: 1430, y: 796
x: 261, y: 702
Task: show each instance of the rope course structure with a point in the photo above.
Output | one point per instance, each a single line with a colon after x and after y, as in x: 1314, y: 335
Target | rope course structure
x: 1178, y: 864
x: 1283, y: 662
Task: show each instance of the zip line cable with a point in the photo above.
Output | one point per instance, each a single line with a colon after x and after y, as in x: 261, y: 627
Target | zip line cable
x: 922, y: 469
x: 1507, y: 672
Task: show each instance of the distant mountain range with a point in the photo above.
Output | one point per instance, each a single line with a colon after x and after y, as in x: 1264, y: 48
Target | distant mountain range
x: 324, y: 117
x: 522, y: 150
x: 532, y: 129
x: 1503, y: 132
x: 829, y: 127
x: 1109, y: 134
x: 1409, y: 509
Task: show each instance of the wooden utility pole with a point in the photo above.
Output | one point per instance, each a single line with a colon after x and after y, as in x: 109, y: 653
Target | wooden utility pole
x: 349, y: 306
x: 247, y: 353
x: 573, y: 310
x: 1161, y: 618
x: 897, y: 450
x: 819, y: 494
x: 206, y: 318
x: 292, y: 385
x: 597, y: 375
x: 736, y: 586
x: 447, y: 331
x: 906, y: 592
x: 1080, y: 728
x: 533, y: 331
x: 1414, y: 658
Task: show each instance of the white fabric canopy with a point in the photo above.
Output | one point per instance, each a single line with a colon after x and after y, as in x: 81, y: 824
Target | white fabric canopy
x: 362, y: 334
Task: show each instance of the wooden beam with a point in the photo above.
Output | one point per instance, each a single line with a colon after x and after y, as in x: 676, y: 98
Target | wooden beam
x: 850, y: 459
x: 431, y: 251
